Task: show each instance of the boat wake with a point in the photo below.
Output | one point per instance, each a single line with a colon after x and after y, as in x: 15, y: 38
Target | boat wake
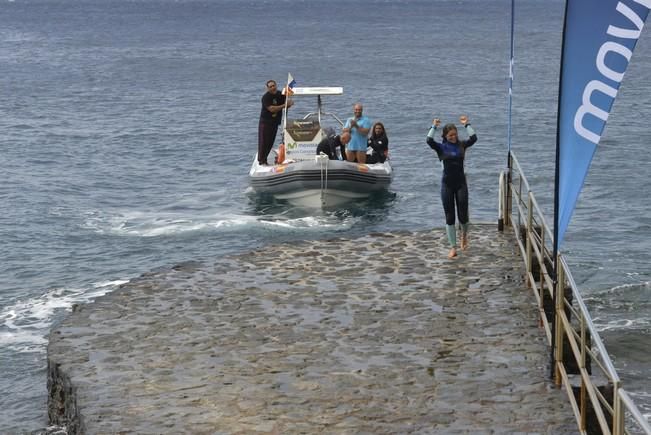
x: 156, y: 224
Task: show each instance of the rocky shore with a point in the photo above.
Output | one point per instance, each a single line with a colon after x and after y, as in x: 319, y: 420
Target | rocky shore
x: 380, y: 334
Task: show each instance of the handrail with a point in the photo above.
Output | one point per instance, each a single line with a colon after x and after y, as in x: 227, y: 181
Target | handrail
x: 536, y: 208
x: 597, y: 384
x: 518, y: 168
x: 630, y: 406
x: 596, y: 338
x: 341, y: 123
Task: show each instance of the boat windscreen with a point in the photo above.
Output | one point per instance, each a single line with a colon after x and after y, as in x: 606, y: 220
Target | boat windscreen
x: 302, y: 130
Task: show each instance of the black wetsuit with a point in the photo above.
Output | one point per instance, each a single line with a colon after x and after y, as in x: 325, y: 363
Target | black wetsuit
x: 329, y: 146
x: 453, y: 183
x: 268, y: 125
x: 380, y: 146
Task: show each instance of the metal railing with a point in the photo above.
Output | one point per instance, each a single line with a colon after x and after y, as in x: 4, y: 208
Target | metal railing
x: 581, y: 363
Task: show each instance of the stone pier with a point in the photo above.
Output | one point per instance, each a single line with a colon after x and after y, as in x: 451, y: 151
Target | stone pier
x: 380, y: 334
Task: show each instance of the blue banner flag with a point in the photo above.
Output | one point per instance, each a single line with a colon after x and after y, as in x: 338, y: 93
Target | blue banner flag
x: 598, y: 40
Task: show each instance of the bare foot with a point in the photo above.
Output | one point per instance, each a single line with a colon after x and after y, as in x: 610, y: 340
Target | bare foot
x: 452, y: 253
x: 464, y: 242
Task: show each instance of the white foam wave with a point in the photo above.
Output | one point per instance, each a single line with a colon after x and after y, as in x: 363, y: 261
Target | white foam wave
x: 24, y: 325
x: 646, y: 285
x: 320, y: 222
x: 621, y: 296
x: 643, y: 400
x: 114, y: 283
x: 153, y: 224
x: 623, y: 324
x: 620, y: 290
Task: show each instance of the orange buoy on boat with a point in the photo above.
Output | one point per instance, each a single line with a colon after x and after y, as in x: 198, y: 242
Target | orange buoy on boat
x: 281, y: 153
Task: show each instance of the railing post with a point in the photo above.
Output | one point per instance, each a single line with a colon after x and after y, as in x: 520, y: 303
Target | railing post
x: 520, y: 200
x: 543, y: 263
x: 558, y: 325
x: 506, y: 214
x: 618, y: 411
x: 583, y: 343
x: 528, y: 236
x: 507, y: 205
x: 583, y: 393
x: 504, y: 196
x: 501, y: 196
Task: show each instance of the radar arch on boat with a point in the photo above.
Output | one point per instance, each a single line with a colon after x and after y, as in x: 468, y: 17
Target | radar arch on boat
x: 322, y: 90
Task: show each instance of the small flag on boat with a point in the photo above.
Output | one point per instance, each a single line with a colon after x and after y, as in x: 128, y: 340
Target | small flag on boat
x: 291, y: 83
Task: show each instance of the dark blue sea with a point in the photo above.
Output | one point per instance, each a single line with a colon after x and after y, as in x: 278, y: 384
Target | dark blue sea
x: 127, y: 129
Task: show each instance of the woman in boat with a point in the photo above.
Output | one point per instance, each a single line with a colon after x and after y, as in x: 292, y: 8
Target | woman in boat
x: 451, y: 152
x: 379, y: 143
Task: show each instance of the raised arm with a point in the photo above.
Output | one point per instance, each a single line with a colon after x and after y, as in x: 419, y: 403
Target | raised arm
x: 433, y: 144
x: 472, y: 137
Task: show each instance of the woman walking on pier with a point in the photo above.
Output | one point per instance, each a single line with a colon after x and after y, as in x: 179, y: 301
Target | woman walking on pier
x: 451, y: 152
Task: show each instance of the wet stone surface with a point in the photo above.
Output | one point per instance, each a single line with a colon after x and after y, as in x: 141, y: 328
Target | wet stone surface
x: 376, y: 335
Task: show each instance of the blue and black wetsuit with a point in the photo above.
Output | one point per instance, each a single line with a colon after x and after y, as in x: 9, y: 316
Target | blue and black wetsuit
x: 453, y: 183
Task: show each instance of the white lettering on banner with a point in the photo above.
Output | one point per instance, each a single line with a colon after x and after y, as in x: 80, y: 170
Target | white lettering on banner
x: 588, y: 107
x: 614, y: 47
x: 633, y: 17
x: 595, y: 85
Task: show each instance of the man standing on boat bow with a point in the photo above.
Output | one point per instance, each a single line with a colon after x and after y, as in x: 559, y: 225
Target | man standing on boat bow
x: 273, y: 103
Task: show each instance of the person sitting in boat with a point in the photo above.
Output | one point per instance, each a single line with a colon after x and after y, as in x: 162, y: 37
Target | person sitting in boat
x: 330, y: 144
x: 379, y: 144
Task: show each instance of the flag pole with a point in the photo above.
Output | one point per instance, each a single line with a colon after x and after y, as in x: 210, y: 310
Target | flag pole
x: 511, y: 84
x: 507, y: 214
x: 289, y: 79
x: 555, y: 253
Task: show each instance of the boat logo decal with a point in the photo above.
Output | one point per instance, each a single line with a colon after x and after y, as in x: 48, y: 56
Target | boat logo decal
x: 278, y: 169
x: 362, y: 168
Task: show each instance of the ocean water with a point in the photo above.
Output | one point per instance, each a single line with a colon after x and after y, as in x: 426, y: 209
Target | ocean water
x: 128, y: 128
